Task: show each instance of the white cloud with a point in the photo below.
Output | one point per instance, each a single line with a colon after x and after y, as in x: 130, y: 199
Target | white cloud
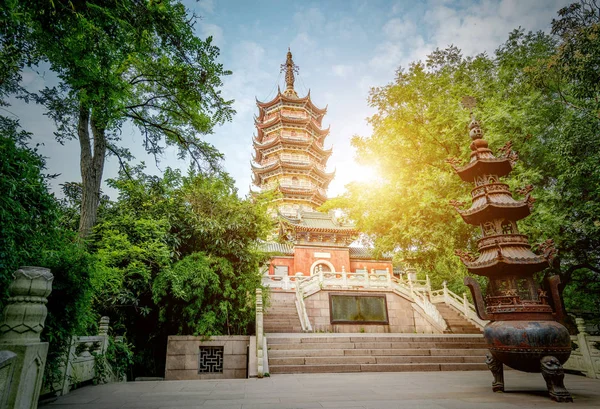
x: 342, y: 70
x: 398, y: 28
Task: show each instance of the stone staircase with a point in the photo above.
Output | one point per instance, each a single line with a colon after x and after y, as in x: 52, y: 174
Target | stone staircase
x: 334, y: 353
x: 457, y: 323
x: 282, y: 315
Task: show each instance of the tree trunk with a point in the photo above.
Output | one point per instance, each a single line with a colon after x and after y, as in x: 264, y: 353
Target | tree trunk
x: 92, y: 167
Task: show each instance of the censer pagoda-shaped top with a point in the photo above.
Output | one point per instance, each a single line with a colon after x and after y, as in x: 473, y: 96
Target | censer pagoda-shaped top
x: 502, y: 248
x: 505, y: 255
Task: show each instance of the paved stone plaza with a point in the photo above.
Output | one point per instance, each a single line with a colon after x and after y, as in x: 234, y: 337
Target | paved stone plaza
x: 423, y: 390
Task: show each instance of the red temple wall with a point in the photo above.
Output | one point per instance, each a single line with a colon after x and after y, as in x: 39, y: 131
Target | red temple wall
x: 305, y: 257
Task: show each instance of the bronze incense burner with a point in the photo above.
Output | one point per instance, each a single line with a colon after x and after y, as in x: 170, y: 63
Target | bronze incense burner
x: 524, y: 332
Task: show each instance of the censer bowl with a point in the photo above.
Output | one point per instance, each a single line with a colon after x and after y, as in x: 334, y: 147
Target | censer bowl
x: 522, y: 344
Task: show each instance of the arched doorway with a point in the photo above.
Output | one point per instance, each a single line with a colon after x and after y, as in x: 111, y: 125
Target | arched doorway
x: 321, y: 265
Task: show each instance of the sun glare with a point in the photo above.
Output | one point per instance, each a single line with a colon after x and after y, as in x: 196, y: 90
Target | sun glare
x: 362, y: 173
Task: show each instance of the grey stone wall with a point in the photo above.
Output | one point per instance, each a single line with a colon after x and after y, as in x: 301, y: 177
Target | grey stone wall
x: 183, y: 356
x: 403, y: 318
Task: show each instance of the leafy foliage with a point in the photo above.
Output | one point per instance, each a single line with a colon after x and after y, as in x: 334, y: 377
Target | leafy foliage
x: 30, y: 234
x: 538, y: 91
x: 28, y: 213
x: 126, y: 61
x: 180, y: 258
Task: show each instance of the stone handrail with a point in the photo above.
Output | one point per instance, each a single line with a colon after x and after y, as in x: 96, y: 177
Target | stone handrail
x: 300, y: 306
x: 461, y: 304
x: 586, y: 357
x: 80, y: 361
x: 415, y: 290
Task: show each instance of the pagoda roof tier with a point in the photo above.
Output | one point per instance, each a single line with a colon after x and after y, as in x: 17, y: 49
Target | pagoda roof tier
x: 289, y: 164
x: 301, y: 123
x: 322, y: 182
x: 484, y: 166
x: 318, y: 222
x: 503, y: 258
x: 281, y: 98
x: 291, y: 143
x: 312, y: 193
x: 315, y: 133
x: 318, y: 118
x: 494, y: 210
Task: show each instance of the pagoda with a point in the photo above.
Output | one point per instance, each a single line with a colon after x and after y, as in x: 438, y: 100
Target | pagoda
x: 523, y: 333
x: 290, y: 158
x: 289, y: 153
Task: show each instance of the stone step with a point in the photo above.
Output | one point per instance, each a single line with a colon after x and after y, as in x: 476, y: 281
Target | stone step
x: 375, y: 345
x: 275, y: 369
x: 333, y: 338
x: 335, y: 360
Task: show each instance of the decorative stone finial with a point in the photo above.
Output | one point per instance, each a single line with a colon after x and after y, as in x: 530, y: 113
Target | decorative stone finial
x: 103, y: 326
x: 24, y: 316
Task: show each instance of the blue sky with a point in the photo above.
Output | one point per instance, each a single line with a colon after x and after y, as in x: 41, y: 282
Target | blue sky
x: 342, y: 48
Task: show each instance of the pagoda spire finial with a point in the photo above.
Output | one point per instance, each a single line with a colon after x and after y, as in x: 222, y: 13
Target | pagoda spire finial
x: 290, y: 69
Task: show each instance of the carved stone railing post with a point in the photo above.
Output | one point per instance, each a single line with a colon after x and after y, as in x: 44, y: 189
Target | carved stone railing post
x: 20, y: 327
x: 7, y: 369
x: 259, y: 333
x: 344, y: 278
x: 465, y: 305
x: 428, y: 285
x: 584, y: 348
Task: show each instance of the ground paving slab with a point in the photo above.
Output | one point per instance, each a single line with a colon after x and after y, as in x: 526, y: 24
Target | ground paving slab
x: 420, y: 390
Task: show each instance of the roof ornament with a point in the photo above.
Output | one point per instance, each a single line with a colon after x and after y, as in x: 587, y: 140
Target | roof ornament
x: 290, y: 69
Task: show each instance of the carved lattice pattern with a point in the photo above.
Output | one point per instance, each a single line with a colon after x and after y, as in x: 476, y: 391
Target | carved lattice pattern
x: 210, y: 359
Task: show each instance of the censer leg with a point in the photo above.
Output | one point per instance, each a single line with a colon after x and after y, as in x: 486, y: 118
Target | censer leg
x: 498, y: 372
x: 554, y: 375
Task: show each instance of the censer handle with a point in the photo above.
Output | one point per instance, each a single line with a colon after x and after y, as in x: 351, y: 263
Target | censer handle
x: 477, y: 297
x: 554, y: 282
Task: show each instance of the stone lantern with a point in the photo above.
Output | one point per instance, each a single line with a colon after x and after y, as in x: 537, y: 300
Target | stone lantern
x: 524, y: 332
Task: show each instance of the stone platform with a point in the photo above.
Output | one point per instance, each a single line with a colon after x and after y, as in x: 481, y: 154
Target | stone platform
x: 423, y: 390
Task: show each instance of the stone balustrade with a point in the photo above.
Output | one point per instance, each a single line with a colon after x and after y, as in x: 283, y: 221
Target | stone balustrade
x: 585, y: 356
x: 22, y: 322
x: 80, y: 361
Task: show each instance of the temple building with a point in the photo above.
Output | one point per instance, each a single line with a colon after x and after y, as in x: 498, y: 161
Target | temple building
x: 290, y: 158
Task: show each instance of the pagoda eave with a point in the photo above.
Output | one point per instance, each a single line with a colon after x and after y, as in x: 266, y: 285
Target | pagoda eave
x: 481, y: 214
x: 489, y: 166
x: 506, y: 265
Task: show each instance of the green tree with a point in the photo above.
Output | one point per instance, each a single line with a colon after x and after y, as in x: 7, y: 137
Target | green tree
x: 530, y: 92
x: 180, y: 257
x: 120, y: 61
x: 28, y: 212
x: 31, y: 234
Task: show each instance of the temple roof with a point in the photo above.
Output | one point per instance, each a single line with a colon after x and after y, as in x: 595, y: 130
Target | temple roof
x: 318, y: 221
x: 366, y: 253
x: 275, y: 248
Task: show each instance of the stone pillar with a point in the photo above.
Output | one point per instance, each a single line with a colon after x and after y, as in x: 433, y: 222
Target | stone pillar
x: 259, y: 333
x: 20, y: 327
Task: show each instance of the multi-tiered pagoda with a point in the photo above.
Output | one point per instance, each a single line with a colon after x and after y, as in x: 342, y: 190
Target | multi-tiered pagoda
x: 523, y: 333
x: 290, y: 157
x: 289, y: 148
